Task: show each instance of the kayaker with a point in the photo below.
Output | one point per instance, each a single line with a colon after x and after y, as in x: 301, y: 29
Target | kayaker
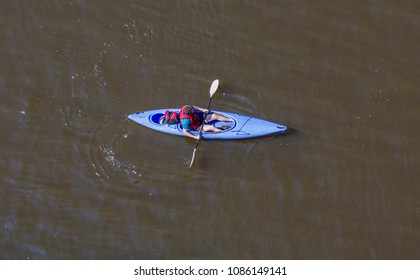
x: 191, y: 117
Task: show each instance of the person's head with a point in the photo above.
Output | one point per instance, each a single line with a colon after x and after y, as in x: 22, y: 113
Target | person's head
x: 188, y: 110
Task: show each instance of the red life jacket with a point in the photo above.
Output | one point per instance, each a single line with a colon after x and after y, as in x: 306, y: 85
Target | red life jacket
x: 195, y: 120
x: 170, y: 117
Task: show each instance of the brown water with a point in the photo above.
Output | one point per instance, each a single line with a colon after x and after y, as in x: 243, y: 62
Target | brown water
x: 81, y: 181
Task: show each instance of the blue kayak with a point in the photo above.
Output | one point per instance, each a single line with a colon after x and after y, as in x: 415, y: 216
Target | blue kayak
x: 242, y: 127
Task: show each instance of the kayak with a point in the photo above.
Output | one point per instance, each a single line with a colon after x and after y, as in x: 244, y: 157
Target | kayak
x: 242, y: 126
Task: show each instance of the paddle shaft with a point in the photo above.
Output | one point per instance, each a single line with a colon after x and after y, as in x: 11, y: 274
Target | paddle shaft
x: 213, y: 88
x: 199, y: 133
x: 201, y: 126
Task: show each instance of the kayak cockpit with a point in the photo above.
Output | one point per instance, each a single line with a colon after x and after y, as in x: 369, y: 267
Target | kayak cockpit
x: 155, y: 118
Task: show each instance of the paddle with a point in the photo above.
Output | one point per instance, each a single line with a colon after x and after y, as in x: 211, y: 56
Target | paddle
x: 213, y: 88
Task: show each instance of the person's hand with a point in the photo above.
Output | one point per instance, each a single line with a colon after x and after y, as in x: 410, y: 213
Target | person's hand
x: 205, y: 111
x: 197, y: 137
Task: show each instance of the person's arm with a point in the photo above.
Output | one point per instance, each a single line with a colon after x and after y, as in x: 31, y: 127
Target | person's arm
x: 205, y: 111
x: 186, y: 129
x: 189, y: 134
